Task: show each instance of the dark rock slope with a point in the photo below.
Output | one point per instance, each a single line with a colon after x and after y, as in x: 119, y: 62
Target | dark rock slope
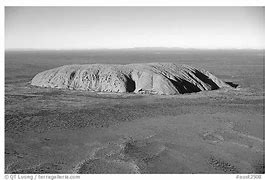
x: 153, y: 78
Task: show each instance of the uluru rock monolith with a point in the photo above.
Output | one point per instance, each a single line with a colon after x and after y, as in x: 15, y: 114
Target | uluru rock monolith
x: 153, y: 78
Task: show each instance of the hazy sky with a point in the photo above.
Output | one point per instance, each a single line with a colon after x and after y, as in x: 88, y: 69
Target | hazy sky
x: 125, y: 27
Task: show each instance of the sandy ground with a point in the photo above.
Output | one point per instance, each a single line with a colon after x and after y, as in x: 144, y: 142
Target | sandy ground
x: 63, y: 131
x: 60, y: 131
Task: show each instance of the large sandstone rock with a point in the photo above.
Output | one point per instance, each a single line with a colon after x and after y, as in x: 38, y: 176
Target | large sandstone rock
x: 155, y: 78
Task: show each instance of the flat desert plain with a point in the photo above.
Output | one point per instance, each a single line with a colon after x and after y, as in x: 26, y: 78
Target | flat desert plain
x: 68, y: 131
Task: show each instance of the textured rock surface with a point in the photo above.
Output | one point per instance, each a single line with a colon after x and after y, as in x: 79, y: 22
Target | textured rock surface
x: 155, y: 78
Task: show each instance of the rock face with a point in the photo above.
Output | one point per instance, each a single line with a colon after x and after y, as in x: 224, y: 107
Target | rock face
x: 153, y: 78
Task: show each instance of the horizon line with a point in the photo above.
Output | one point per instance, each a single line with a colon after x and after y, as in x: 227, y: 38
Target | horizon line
x: 129, y: 48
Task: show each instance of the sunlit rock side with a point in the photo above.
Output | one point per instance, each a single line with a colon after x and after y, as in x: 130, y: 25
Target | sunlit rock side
x: 153, y: 78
